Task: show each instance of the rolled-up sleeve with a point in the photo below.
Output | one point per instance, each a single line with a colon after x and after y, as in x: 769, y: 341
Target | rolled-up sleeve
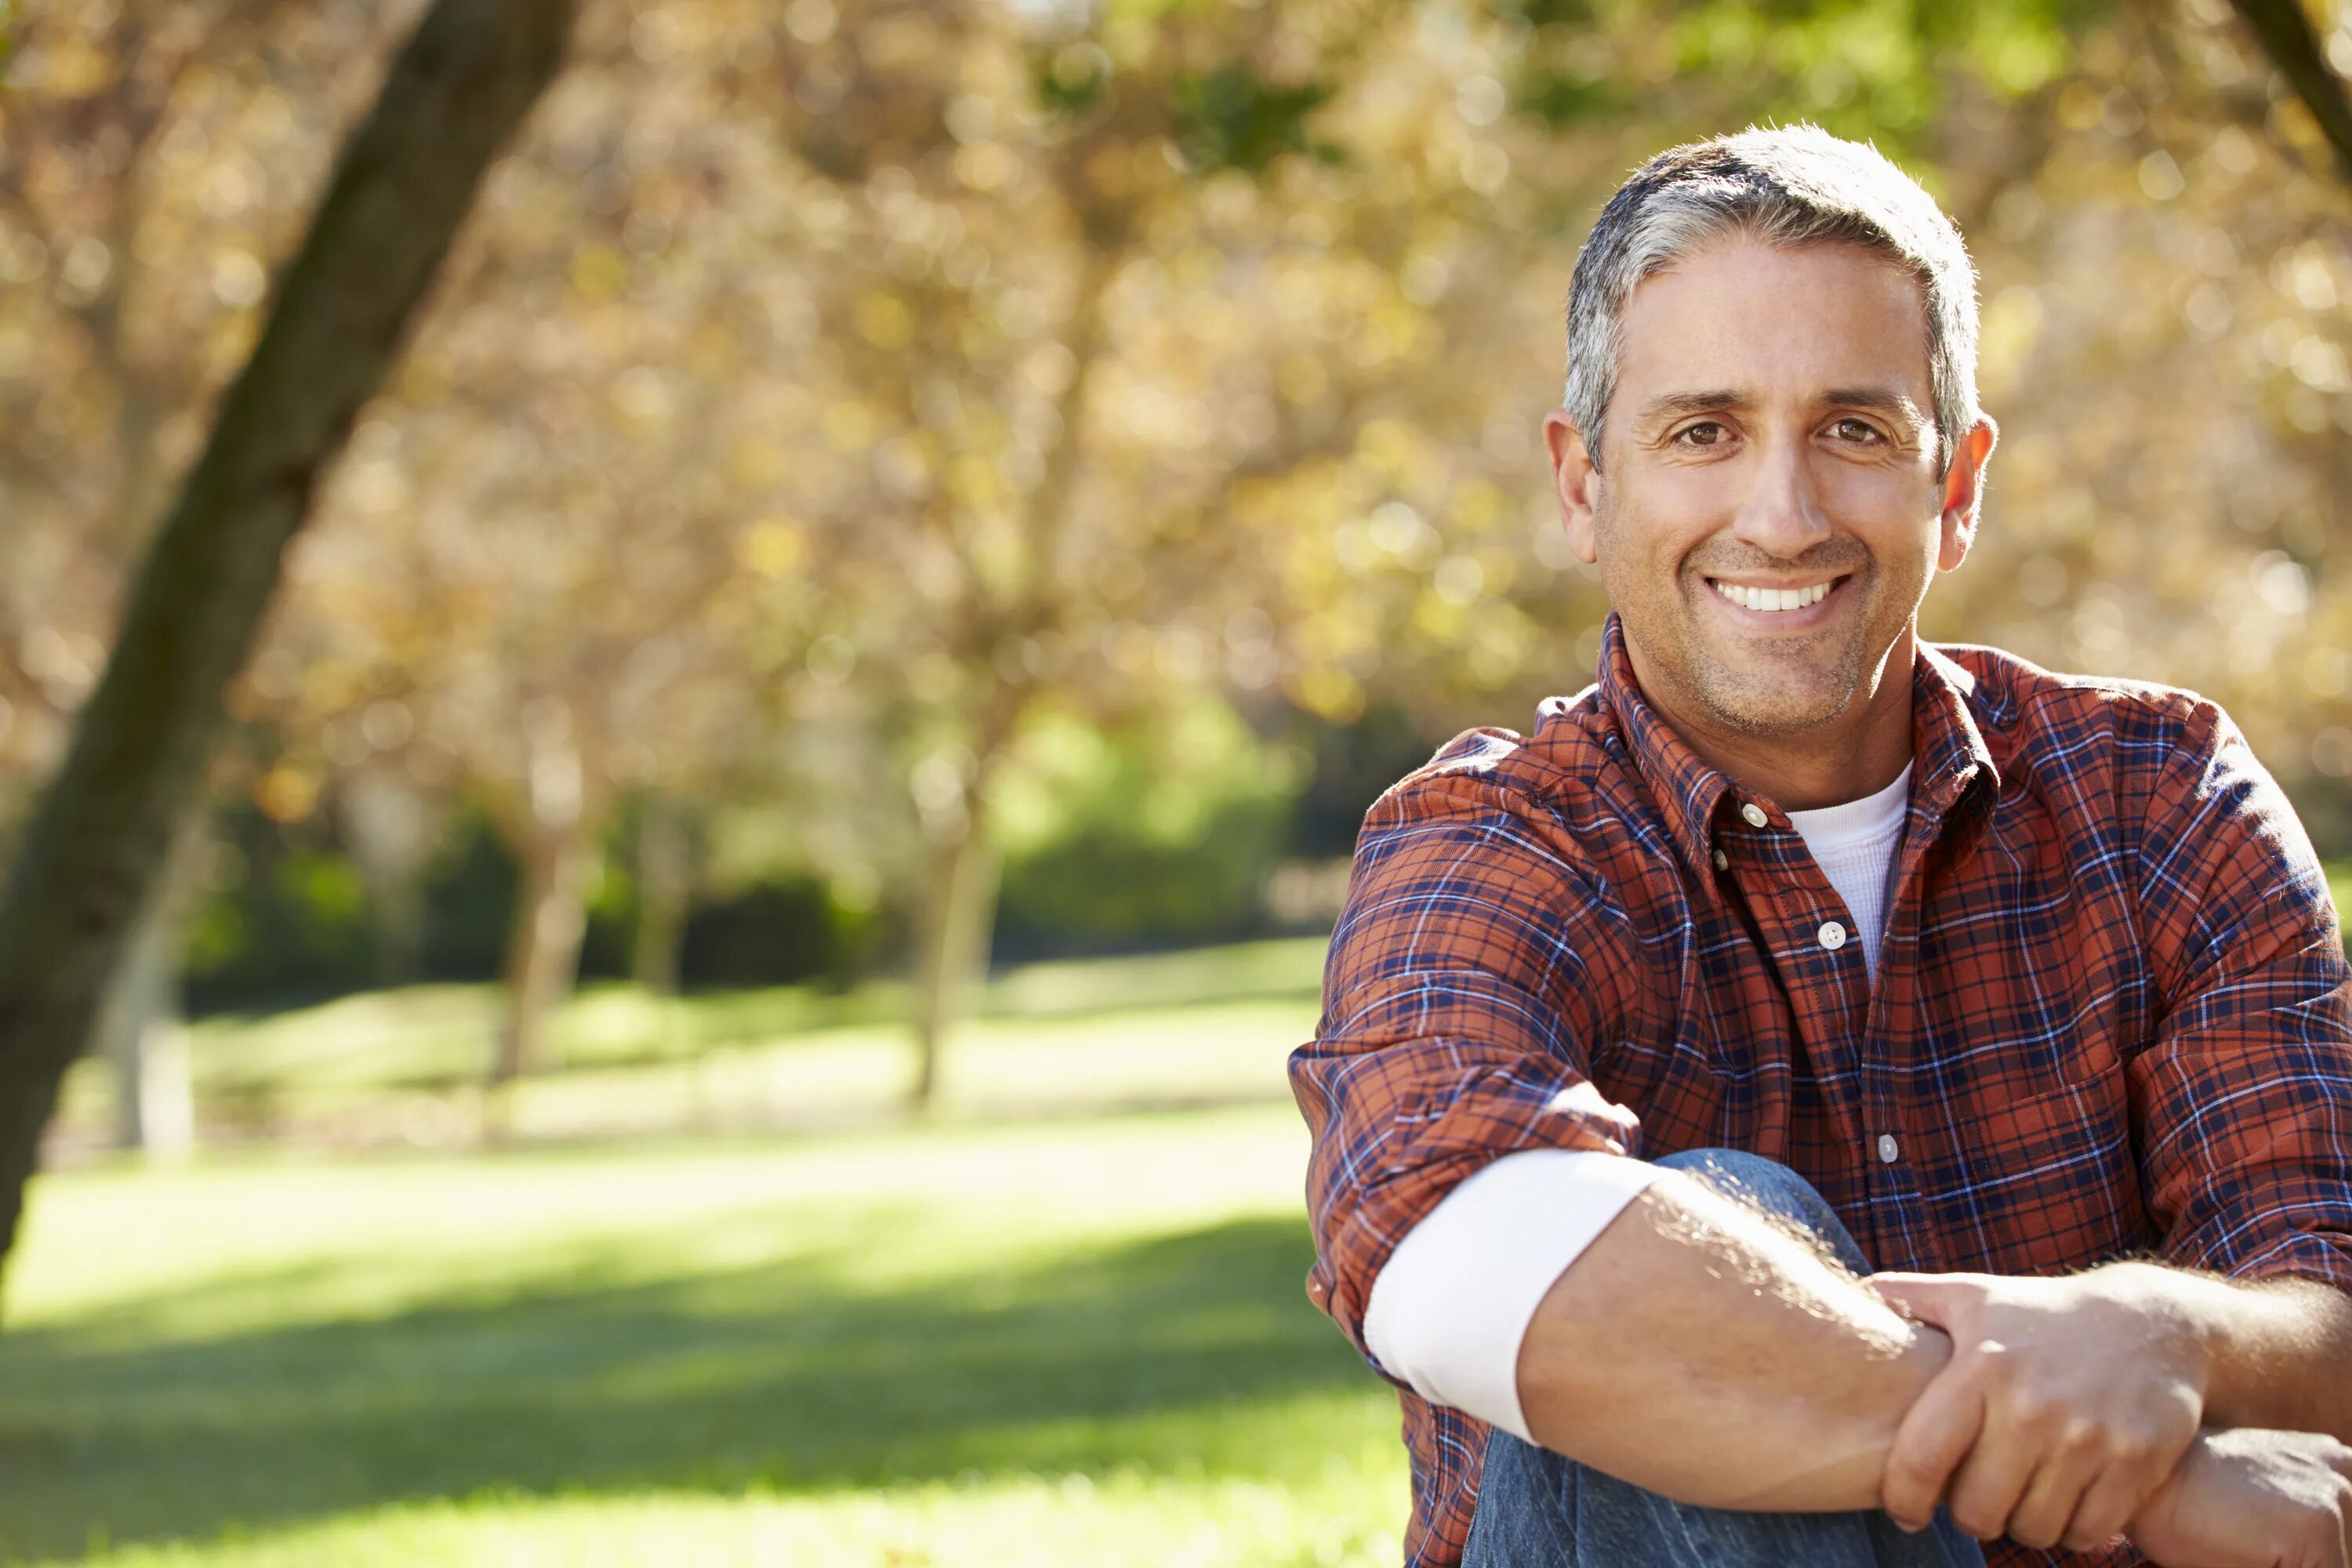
x: 2244, y: 1097
x: 1469, y: 972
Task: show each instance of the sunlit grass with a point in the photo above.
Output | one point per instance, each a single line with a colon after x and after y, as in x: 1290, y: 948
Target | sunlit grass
x: 1123, y: 1521
x: 403, y: 1066
x: 1077, y: 1342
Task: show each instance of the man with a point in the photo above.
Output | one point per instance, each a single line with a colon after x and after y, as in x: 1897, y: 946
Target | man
x: 1795, y: 947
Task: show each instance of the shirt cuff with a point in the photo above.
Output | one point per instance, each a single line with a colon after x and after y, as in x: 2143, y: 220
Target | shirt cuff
x: 1447, y: 1311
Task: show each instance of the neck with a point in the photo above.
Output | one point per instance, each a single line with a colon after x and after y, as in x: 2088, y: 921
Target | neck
x: 1858, y: 753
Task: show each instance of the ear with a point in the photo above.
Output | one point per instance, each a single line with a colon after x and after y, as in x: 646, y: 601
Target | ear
x: 1575, y: 477
x: 1964, y: 491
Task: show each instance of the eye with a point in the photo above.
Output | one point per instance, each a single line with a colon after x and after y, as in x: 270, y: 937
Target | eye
x: 1706, y: 433
x: 1857, y: 430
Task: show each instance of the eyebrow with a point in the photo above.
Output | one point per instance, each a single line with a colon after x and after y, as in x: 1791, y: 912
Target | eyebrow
x: 1676, y: 404
x: 1893, y: 404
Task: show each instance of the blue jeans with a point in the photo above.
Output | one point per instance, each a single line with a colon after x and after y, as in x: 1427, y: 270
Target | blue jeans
x: 1538, y: 1509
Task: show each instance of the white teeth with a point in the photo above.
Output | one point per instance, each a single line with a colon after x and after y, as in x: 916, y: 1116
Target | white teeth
x: 1773, y: 599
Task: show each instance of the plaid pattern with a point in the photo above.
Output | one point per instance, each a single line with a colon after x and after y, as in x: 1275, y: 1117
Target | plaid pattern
x: 2111, y: 1014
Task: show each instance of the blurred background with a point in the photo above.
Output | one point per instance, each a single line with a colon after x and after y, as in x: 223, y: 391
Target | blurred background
x: 726, y: 999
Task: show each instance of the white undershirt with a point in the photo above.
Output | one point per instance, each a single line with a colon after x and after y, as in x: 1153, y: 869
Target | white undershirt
x: 1447, y: 1312
x: 1857, y: 847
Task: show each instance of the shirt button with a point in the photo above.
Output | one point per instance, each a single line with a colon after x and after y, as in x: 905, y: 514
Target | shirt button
x: 1832, y: 935
x: 1754, y: 813
x: 1888, y: 1150
x: 1722, y: 861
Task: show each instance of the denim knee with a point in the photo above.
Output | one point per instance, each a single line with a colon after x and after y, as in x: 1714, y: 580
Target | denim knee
x: 1768, y: 1185
x: 1538, y: 1509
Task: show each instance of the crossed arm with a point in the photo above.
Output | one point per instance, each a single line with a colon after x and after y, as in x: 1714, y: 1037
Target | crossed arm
x: 1734, y: 1367
x: 1694, y: 1350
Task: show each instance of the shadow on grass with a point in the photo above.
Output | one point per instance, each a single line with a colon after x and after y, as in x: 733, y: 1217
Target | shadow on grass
x: 1177, y: 1354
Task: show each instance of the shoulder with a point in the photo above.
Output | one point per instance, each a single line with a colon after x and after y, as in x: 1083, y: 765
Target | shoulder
x: 1482, y: 852
x: 1492, y: 769
x: 2156, y: 772
x: 2040, y: 719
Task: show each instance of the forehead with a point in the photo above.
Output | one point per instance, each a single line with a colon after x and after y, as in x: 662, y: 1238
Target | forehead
x: 1775, y: 320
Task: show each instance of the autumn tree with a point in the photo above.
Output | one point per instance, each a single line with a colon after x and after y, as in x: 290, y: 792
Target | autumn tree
x: 86, y: 863
x: 566, y: 563
x: 155, y: 160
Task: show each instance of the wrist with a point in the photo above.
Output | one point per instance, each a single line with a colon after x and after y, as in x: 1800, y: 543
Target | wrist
x: 2163, y: 1503
x: 2196, y: 1320
x: 1922, y: 1351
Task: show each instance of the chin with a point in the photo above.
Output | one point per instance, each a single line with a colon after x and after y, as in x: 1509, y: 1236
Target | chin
x: 1755, y: 707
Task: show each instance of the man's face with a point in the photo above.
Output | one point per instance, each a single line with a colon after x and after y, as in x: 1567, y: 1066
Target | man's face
x: 1767, y: 512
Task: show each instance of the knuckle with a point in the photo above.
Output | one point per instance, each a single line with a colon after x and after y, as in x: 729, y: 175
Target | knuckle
x: 2147, y: 1475
x: 1912, y: 1468
x: 2036, y: 1412
x: 2083, y: 1440
x: 1976, y: 1520
x: 2096, y: 1523
x: 2037, y: 1533
x: 1992, y: 1364
x: 2086, y: 1538
x: 1918, y: 1465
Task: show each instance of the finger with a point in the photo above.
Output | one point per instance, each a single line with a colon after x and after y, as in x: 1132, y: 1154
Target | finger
x: 1936, y: 1435
x: 1924, y: 1298
x: 2053, y: 1494
x: 2109, y: 1503
x: 1991, y: 1480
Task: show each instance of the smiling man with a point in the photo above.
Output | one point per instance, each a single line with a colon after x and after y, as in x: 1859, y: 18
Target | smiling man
x: 1797, y: 949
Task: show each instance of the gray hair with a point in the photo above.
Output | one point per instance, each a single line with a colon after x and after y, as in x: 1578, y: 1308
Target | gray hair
x: 1790, y: 187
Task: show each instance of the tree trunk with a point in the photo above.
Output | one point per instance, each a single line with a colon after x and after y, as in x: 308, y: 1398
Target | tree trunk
x: 92, y: 846
x: 962, y: 875
x: 957, y: 921
x: 544, y: 953
x: 665, y: 894
x: 397, y: 917
x: 139, y: 1020
x: 390, y: 826
x: 2284, y: 28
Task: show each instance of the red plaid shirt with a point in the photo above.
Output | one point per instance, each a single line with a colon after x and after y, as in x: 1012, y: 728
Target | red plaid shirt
x: 2110, y: 1015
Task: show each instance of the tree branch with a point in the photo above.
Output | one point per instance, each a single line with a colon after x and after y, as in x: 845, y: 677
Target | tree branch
x: 2293, y: 48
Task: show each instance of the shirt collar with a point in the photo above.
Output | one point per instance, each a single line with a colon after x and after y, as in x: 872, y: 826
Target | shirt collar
x: 1949, y: 758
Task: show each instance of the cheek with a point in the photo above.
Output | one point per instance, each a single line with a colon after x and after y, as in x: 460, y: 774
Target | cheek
x: 1893, y: 515
x: 1866, y: 488
x: 1864, y: 499
x: 1699, y: 499
x: 1644, y: 536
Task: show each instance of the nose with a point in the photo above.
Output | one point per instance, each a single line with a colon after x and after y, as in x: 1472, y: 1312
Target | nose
x: 1781, y: 513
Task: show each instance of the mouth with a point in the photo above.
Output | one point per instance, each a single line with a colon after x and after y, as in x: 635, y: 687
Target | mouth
x: 1775, y: 601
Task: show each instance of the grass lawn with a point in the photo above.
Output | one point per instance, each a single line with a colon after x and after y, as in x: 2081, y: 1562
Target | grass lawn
x: 1044, y: 1330
x: 402, y: 1067
x: 1083, y: 1343
x: 1080, y: 1339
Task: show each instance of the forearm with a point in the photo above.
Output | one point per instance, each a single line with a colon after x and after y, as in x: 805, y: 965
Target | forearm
x: 1699, y: 1352
x: 2282, y: 1353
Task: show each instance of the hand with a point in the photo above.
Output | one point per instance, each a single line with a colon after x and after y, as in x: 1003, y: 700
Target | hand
x: 2064, y: 1406
x: 2251, y: 1498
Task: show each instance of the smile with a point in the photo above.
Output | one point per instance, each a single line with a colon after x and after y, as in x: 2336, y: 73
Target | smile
x: 1770, y: 600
